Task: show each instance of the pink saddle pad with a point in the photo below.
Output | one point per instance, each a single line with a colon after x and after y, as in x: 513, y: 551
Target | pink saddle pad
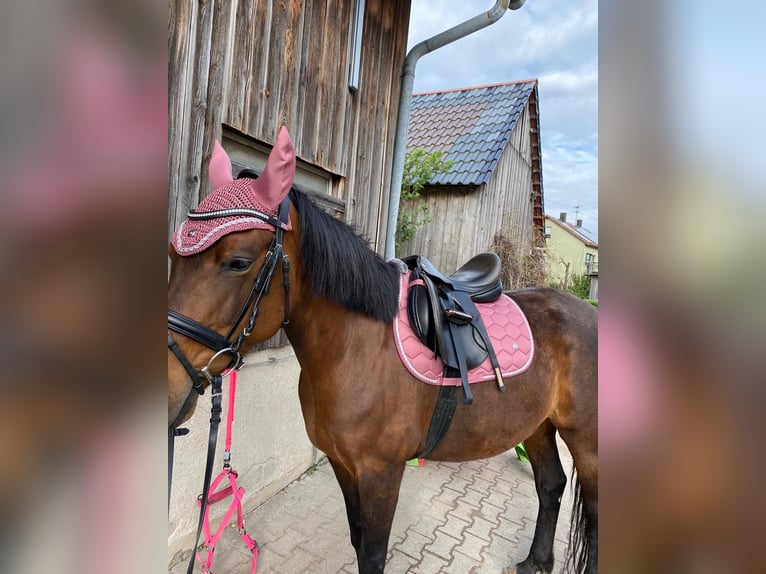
x: 508, y: 330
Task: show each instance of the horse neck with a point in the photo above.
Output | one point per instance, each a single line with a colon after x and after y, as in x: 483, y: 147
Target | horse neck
x: 313, y: 322
x: 320, y: 331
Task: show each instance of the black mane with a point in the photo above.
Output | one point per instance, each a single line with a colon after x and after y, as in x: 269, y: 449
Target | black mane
x: 340, y: 265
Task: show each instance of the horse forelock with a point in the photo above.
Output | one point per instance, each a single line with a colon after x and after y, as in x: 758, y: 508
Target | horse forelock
x: 340, y: 266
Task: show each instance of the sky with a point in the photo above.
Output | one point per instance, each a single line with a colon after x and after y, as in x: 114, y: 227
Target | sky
x: 553, y: 41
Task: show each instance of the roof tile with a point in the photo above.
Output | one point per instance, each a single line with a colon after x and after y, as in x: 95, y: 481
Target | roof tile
x: 471, y: 125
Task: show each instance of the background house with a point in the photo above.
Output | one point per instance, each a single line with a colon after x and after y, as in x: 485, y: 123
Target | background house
x: 491, y: 134
x: 330, y: 71
x: 571, y: 250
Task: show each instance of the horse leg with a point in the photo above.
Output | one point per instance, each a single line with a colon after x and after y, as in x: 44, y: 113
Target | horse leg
x: 351, y: 496
x: 583, y: 536
x: 550, y: 481
x: 371, y: 492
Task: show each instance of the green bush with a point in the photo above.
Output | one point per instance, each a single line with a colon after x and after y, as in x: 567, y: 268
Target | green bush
x: 419, y: 167
x: 579, y: 286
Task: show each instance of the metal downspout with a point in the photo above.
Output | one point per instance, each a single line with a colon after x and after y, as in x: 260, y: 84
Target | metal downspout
x: 405, y: 100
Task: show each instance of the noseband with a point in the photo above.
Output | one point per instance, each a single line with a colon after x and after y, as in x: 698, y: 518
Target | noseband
x: 225, y: 345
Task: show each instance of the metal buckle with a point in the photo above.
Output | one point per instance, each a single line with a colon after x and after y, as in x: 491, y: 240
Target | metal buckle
x: 236, y: 359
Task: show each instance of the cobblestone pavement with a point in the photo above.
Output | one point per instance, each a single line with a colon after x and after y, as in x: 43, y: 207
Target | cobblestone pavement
x: 452, y: 518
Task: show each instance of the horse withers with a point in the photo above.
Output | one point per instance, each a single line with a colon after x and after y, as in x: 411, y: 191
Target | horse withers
x: 242, y: 270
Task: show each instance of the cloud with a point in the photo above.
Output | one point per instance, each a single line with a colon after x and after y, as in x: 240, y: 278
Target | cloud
x: 569, y: 81
x: 570, y: 180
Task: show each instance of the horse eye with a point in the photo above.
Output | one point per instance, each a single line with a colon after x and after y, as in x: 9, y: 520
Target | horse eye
x: 237, y: 265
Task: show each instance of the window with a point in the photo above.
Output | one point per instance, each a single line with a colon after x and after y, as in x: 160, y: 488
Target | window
x: 324, y: 187
x: 589, y: 258
x: 355, y: 45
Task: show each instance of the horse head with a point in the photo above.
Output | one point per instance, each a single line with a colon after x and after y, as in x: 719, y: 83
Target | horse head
x: 229, y: 261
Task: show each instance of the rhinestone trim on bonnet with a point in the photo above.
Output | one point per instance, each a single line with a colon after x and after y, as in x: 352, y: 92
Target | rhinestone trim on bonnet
x: 254, y: 197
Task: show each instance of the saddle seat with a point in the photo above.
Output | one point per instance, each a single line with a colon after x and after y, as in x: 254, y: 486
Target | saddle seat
x: 479, y: 276
x: 443, y: 315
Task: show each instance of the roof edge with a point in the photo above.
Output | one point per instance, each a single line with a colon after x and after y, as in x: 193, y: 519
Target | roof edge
x: 465, y: 89
x: 569, y: 228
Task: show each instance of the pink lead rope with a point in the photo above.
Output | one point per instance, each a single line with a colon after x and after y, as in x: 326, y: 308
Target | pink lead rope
x: 216, y: 495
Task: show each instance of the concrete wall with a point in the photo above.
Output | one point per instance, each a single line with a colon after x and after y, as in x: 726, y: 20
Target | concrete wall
x: 270, y: 448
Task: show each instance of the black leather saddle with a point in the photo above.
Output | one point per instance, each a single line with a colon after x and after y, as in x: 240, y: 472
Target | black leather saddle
x: 443, y: 315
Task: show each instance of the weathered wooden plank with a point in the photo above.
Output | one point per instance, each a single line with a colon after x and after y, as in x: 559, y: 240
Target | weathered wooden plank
x: 312, y: 73
x: 217, y: 86
x: 330, y: 78
x: 303, y: 55
x: 242, y: 64
x: 376, y: 101
x: 259, y: 37
x: 189, y: 191
x: 337, y: 108
x: 399, y: 13
x: 275, y: 72
x: 287, y: 106
x: 182, y: 18
x: 368, y: 142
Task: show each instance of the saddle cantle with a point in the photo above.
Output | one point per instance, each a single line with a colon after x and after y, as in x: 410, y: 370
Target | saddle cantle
x: 443, y: 315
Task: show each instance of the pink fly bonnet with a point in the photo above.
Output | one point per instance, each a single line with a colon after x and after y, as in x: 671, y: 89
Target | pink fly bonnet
x: 252, y: 199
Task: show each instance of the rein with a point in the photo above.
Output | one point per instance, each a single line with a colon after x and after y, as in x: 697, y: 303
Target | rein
x: 224, y: 345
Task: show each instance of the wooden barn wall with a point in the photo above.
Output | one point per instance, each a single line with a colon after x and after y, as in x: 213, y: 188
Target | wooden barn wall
x: 254, y: 65
x: 514, y: 173
x: 465, y: 220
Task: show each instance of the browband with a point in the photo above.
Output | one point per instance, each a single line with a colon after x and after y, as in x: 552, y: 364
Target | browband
x: 265, y: 217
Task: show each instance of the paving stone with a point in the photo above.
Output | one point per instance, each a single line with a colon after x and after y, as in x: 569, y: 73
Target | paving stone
x: 489, y: 511
x: 400, y: 562
x: 481, y: 485
x: 462, y: 564
x: 427, y: 523
x: 491, y: 564
x: 481, y: 528
x: 430, y: 564
x: 413, y: 544
x: 472, y: 498
x: 443, y: 545
x: 463, y: 511
x: 458, y: 484
x: 472, y: 546
x: 454, y: 527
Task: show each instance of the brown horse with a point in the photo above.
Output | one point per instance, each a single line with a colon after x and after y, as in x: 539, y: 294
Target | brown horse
x: 361, y: 407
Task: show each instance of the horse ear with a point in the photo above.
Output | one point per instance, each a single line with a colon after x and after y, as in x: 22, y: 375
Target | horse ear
x: 220, y: 167
x: 275, y: 181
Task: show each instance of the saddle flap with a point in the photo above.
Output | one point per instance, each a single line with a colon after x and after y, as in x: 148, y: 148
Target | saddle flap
x: 444, y: 320
x: 419, y: 314
x: 459, y: 310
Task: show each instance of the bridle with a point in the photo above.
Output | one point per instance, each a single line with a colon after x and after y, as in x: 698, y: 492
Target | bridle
x: 226, y: 345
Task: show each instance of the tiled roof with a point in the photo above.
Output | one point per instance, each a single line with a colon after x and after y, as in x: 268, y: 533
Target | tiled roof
x: 472, y: 125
